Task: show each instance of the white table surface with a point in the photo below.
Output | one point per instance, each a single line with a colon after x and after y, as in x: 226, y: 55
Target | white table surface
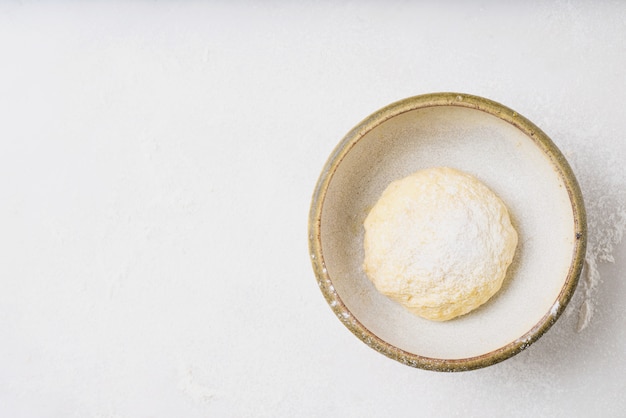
x: 157, y: 161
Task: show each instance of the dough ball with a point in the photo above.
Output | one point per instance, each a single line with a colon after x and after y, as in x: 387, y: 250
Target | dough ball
x: 439, y: 242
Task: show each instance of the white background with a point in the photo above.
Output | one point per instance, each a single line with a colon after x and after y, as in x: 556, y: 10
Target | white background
x: 157, y: 161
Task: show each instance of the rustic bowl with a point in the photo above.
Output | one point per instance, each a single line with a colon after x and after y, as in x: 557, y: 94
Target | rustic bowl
x: 516, y: 160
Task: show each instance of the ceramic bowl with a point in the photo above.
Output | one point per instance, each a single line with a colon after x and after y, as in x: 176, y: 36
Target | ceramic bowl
x: 517, y: 161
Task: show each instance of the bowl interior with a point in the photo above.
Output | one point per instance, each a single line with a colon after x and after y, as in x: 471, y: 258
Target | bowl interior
x: 509, y: 162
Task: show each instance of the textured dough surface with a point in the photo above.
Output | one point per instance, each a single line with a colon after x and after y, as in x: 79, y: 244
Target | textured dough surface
x: 439, y: 242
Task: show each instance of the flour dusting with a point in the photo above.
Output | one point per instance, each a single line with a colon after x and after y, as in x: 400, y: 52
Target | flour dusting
x: 606, y: 225
x: 189, y: 385
x: 465, y: 243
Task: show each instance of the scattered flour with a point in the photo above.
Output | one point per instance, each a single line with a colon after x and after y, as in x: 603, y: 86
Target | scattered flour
x: 606, y: 221
x: 596, y: 153
x: 555, y: 308
x: 189, y: 385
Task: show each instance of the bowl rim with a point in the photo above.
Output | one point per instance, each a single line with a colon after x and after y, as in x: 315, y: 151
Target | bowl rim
x: 532, y: 132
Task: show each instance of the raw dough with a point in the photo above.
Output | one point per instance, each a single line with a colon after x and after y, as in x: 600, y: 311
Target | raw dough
x: 439, y: 242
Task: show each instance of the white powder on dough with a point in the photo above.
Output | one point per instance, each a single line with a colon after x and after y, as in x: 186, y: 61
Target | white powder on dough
x: 438, y: 242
